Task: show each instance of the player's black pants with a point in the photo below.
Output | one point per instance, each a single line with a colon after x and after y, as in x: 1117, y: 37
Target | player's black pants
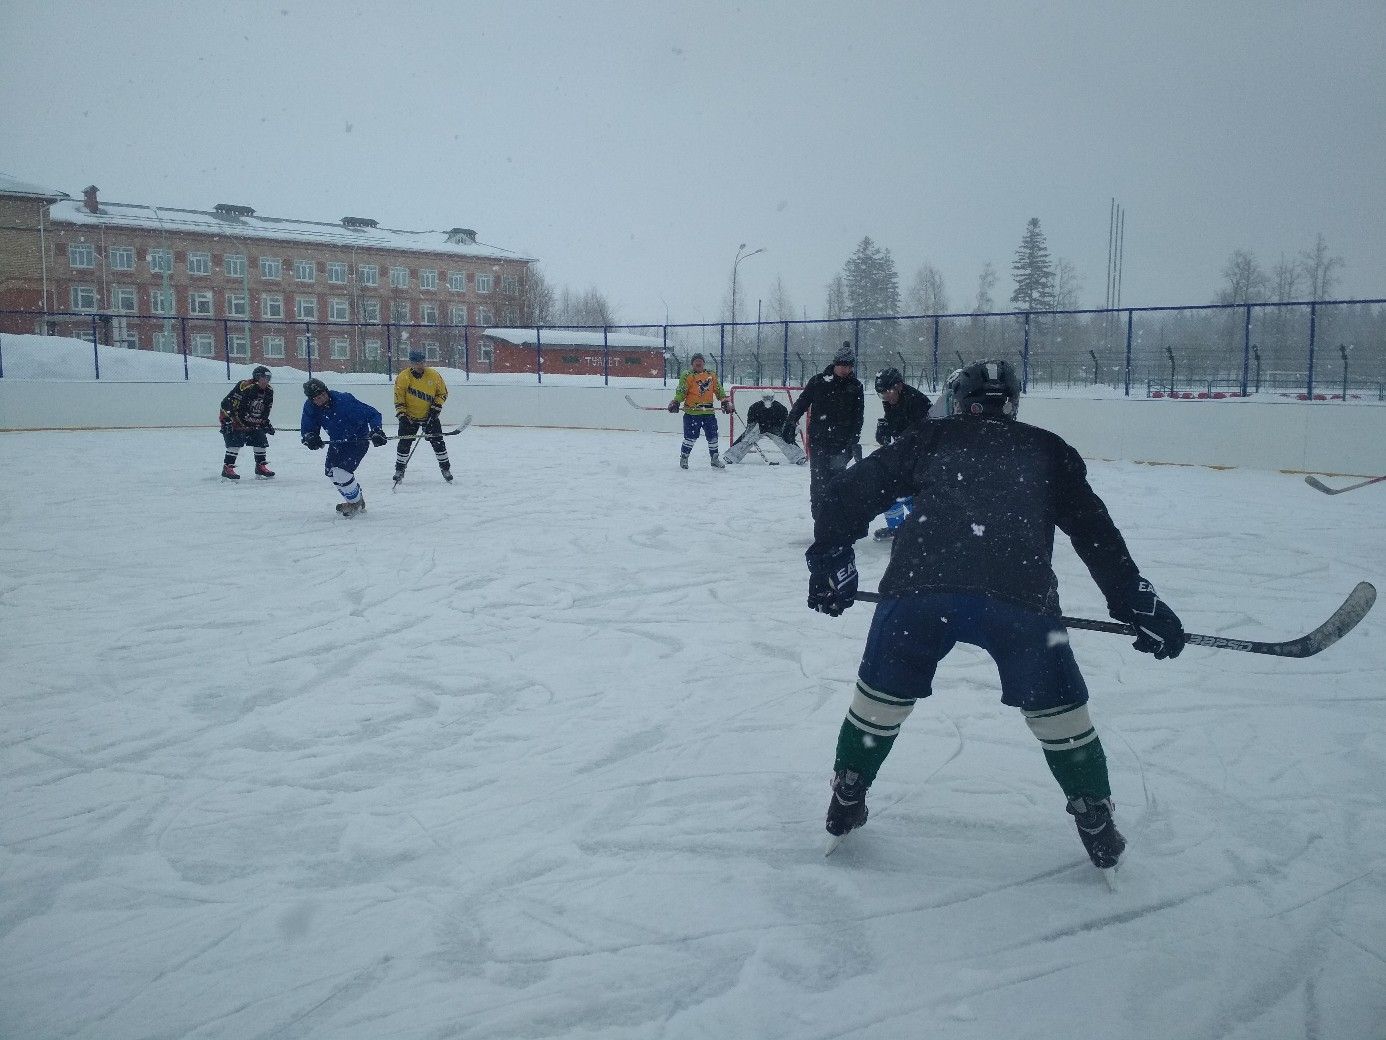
x: 432, y: 429
x: 823, y: 467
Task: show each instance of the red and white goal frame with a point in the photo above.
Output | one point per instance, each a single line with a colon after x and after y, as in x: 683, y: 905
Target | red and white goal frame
x: 742, y: 397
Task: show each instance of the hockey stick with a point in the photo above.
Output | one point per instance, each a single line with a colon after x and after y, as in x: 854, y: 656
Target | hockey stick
x: 645, y: 407
x: 1340, y: 623
x: 407, y: 437
x: 1318, y: 485
x: 755, y: 446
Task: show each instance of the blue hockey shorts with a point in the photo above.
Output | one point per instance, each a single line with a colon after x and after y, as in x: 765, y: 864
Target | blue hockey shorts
x: 696, y: 424
x: 345, y: 455
x: 910, y: 635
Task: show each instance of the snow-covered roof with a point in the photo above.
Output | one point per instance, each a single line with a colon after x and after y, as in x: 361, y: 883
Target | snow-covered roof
x: 14, y: 186
x: 159, y: 218
x: 555, y: 337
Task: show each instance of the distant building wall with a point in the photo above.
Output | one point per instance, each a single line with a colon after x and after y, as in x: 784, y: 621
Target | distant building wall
x: 498, y: 355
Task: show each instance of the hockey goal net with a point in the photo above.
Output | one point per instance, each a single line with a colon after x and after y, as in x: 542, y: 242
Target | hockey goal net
x: 742, y: 397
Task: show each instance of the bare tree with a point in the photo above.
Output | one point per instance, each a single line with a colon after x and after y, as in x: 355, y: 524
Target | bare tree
x: 1285, y: 279
x: 1320, y: 269
x: 986, y: 282
x: 779, y: 307
x: 927, y: 294
x: 1246, y: 281
x: 538, y: 299
x: 1066, y: 285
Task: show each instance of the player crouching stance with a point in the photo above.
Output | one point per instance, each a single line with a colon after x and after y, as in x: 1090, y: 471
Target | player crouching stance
x: 353, y: 425
x: 973, y: 564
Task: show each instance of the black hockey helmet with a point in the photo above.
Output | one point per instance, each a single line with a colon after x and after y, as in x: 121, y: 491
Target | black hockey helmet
x: 886, y: 378
x: 985, y: 388
x: 260, y: 372
x: 313, y: 387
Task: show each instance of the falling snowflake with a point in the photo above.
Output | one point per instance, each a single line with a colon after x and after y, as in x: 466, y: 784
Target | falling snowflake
x: 979, y: 529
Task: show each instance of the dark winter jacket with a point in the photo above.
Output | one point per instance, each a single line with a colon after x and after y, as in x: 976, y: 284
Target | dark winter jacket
x: 912, y: 413
x: 988, y: 494
x: 836, y: 410
x: 770, y: 417
x: 247, y: 406
x: 347, y: 419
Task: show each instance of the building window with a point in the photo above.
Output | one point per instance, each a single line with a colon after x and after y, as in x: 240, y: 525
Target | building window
x: 238, y: 345
x: 341, y: 348
x: 370, y: 274
x: 483, y: 283
x: 305, y: 270
x: 234, y: 264
x: 81, y: 254
x: 302, y: 344
x: 201, y: 344
x: 372, y: 349
x: 338, y: 309
x: 271, y: 305
x: 428, y: 313
x: 508, y: 317
x: 431, y: 351
x: 457, y: 281
x: 166, y: 342
x: 161, y: 301
x: 399, y: 311
x: 483, y: 316
x: 273, y: 346
x: 370, y: 310
x: 399, y: 277
x: 336, y: 272
x: 123, y: 298
x: 237, y: 305
x: 457, y: 314
x: 306, y: 308
x: 161, y: 261
x: 200, y: 303
x: 483, y: 353
x: 83, y: 297
x: 428, y: 279
x: 121, y: 258
x: 199, y: 263
x: 271, y: 267
x: 510, y: 283
x: 124, y: 337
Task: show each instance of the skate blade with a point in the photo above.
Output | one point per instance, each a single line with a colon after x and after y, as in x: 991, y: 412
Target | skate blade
x: 834, y: 840
x: 1109, y: 875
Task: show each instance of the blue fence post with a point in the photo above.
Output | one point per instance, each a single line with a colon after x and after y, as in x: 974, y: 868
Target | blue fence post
x: 785, y: 381
x: 606, y: 357
x: 935, y: 379
x: 308, y: 346
x: 226, y: 345
x: 467, y: 352
x: 183, y: 336
x: 664, y: 375
x: 721, y: 349
x: 389, y: 355
x: 1025, y: 358
x: 95, y: 354
x: 1129, y: 316
x: 1313, y: 320
x: 539, y: 352
x: 856, y: 339
x: 1246, y: 350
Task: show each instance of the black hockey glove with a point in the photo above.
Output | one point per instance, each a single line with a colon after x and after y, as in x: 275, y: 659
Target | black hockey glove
x: 312, y: 441
x: 1158, y: 629
x: 378, y: 438
x: 673, y: 407
x: 882, y: 432
x: 832, y: 578
x: 268, y: 429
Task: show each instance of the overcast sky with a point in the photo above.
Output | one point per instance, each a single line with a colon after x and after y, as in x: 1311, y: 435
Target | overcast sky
x: 632, y: 146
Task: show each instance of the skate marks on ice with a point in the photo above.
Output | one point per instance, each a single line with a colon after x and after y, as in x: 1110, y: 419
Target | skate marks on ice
x: 550, y: 759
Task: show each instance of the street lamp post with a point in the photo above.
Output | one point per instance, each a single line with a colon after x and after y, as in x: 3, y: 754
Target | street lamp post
x: 735, y: 264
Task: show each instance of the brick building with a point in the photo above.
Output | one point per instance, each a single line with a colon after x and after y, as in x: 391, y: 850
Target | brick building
x: 569, y: 352
x: 226, y: 282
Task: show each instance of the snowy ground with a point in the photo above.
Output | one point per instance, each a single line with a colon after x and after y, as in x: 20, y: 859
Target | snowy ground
x: 544, y: 754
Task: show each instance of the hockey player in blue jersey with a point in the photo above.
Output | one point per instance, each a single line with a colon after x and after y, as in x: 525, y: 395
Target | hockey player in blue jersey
x: 352, y: 426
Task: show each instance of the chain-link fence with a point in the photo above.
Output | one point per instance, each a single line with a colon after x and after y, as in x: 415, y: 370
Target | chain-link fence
x: 1318, y: 349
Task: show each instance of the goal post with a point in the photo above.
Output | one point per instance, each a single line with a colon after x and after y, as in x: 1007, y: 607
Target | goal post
x: 743, y: 396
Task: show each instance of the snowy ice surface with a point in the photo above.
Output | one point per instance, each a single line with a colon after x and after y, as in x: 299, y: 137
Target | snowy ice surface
x: 544, y: 753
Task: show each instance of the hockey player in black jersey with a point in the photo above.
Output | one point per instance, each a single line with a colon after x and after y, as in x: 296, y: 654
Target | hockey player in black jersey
x: 905, y: 409
x: 245, y: 419
x: 765, y: 425
x: 973, y: 564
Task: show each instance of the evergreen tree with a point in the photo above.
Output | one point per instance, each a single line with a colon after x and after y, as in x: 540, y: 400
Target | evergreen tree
x: 1033, y: 271
x: 873, y: 289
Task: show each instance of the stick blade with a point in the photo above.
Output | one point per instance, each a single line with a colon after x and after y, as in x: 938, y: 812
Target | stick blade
x: 1342, y: 621
x: 1319, y: 485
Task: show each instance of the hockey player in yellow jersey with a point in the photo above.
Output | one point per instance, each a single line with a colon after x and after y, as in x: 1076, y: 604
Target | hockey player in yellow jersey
x: 698, y: 391
x: 419, y: 395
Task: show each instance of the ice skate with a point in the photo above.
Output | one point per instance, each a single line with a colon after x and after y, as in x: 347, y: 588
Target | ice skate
x: 683, y: 462
x: 447, y: 474
x: 399, y: 475
x: 262, y: 471
x: 1097, y: 830
x: 229, y: 473
x: 717, y: 462
x: 350, y: 509
x: 884, y: 534
x: 846, y: 809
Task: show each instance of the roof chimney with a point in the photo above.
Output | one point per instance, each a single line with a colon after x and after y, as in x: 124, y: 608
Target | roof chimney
x: 89, y: 199
x: 462, y: 236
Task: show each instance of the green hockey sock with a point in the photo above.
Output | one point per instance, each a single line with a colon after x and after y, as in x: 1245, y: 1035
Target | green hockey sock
x: 1081, y: 770
x: 861, y: 752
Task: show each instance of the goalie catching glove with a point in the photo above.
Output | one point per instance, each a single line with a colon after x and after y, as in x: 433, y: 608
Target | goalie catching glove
x: 1158, y: 629
x: 832, y: 578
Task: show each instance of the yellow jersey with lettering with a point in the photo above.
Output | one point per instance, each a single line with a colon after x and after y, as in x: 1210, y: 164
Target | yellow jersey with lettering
x: 414, y: 395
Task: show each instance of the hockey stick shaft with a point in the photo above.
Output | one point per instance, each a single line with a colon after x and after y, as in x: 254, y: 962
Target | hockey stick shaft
x: 1340, y: 623
x: 645, y: 407
x: 408, y: 436
x: 1319, y: 485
